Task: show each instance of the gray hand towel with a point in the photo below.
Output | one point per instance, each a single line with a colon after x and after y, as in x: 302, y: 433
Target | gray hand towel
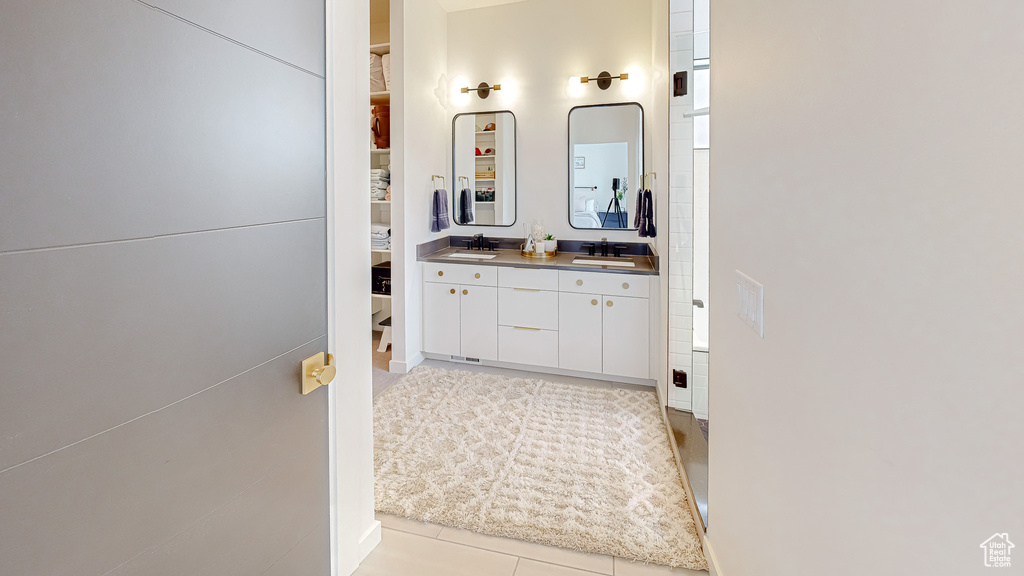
x: 439, y: 211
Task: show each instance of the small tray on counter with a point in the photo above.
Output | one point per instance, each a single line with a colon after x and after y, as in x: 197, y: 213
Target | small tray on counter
x: 539, y: 256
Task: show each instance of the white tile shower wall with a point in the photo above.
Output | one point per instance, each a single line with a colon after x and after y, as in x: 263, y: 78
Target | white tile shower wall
x: 680, y: 253
x: 700, y: 385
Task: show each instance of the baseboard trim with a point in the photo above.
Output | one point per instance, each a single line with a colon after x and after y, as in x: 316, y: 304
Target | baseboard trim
x: 399, y: 367
x: 369, y: 540
x: 709, y: 553
x: 544, y: 370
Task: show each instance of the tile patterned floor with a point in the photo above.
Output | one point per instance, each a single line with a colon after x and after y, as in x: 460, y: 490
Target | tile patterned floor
x: 411, y: 547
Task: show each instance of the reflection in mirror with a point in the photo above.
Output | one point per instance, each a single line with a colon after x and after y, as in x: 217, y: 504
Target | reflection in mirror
x: 484, y: 169
x: 606, y: 159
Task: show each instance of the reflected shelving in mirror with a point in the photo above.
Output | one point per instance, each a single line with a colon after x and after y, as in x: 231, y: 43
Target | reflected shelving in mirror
x: 484, y: 169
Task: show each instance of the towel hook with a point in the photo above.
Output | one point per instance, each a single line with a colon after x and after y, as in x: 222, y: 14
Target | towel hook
x: 647, y: 177
x: 434, y: 177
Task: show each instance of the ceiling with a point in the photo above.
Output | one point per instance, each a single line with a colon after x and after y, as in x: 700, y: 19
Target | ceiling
x: 457, y: 5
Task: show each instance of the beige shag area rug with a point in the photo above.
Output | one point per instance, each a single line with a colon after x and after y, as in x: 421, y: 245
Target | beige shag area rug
x: 575, y: 466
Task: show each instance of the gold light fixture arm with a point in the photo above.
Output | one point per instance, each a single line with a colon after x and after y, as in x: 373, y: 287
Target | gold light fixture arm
x: 483, y: 90
x: 604, y: 79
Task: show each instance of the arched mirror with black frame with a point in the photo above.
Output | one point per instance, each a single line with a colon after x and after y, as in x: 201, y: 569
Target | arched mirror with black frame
x: 484, y: 168
x: 606, y: 161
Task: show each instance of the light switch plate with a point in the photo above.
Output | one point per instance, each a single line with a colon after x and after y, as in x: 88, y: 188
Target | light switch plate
x: 750, y: 302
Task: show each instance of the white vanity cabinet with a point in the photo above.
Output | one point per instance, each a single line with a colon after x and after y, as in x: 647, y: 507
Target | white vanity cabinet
x: 626, y: 332
x: 596, y: 323
x: 460, y: 311
x: 604, y: 323
x: 580, y: 332
x: 528, y: 316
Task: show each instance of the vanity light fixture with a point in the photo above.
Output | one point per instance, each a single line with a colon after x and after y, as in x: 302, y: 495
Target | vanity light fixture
x: 604, y: 79
x: 483, y: 90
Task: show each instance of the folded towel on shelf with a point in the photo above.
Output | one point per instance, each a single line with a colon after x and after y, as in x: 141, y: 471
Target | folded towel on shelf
x: 377, y: 82
x: 383, y: 230
x: 439, y: 211
x: 385, y: 62
x: 466, y: 206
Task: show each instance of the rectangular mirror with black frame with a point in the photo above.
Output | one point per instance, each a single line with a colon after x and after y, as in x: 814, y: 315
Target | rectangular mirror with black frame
x: 606, y: 160
x: 484, y: 168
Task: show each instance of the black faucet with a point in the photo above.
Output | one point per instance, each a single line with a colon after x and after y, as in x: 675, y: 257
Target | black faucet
x: 618, y: 249
x: 479, y: 241
x: 604, y: 247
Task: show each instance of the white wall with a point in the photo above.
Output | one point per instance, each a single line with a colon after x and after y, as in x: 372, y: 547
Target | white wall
x: 532, y: 48
x: 421, y: 136
x: 867, y: 171
x: 602, y: 163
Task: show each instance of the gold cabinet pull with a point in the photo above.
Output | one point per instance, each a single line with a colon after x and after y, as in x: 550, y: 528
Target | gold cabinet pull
x: 440, y: 273
x: 477, y: 275
x: 579, y: 282
x: 465, y: 291
x: 609, y: 303
x: 526, y: 328
x: 453, y: 290
x: 594, y: 302
x: 526, y: 289
x: 625, y: 285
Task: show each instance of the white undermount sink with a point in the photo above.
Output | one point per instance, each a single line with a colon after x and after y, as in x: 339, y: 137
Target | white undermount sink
x: 472, y: 255
x: 624, y: 262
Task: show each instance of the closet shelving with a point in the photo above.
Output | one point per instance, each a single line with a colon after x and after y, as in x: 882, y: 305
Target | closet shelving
x: 380, y: 210
x: 485, y: 139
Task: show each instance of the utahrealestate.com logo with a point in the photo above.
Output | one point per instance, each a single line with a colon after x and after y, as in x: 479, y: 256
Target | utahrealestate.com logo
x: 997, y: 550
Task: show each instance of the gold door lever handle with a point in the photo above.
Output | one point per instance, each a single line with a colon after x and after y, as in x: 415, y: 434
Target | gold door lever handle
x: 315, y: 373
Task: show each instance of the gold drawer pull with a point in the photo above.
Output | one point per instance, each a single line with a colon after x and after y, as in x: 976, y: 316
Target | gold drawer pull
x: 526, y: 289
x: 625, y: 285
x: 477, y: 275
x: 453, y: 290
x: 579, y: 282
x: 609, y: 303
x: 525, y: 328
x: 465, y: 291
x: 594, y: 302
x: 440, y: 273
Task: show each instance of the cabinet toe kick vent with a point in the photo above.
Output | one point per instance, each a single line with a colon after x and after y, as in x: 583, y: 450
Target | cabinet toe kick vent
x: 465, y: 359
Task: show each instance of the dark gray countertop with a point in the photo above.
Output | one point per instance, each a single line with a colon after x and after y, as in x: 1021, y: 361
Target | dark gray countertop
x: 645, y: 265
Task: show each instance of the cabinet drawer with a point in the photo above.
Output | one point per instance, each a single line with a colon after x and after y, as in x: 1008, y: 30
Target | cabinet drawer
x: 528, y: 346
x: 634, y: 285
x: 528, y: 308
x: 534, y: 278
x: 460, y: 274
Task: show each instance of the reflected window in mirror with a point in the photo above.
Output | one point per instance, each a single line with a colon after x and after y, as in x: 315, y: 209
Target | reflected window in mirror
x: 484, y: 169
x: 606, y: 160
